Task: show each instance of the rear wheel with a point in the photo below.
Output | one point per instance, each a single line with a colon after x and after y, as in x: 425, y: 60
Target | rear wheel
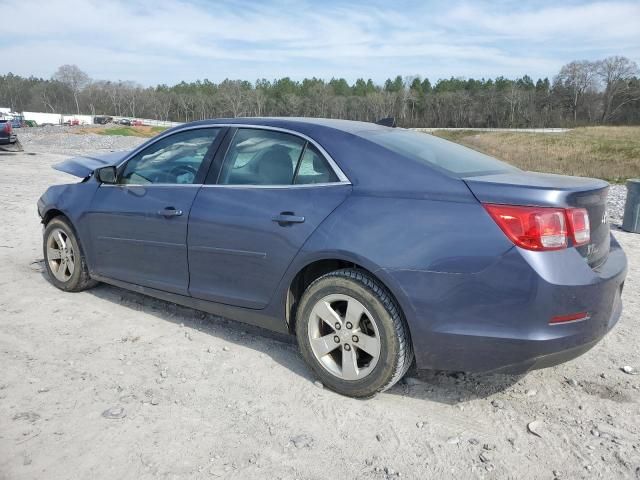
x: 352, y: 334
x: 63, y: 257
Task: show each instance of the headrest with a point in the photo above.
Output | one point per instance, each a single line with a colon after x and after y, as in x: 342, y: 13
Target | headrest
x: 275, y: 166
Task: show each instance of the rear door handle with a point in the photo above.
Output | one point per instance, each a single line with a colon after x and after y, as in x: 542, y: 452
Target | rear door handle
x: 286, y: 218
x: 170, y: 212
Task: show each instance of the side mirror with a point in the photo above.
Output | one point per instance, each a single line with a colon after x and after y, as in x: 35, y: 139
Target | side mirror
x: 107, y: 175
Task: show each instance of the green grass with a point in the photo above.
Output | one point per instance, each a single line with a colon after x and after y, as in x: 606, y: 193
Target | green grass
x: 125, y: 131
x: 610, y: 153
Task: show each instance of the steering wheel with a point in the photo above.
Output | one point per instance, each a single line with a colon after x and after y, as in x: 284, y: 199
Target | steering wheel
x: 181, y: 170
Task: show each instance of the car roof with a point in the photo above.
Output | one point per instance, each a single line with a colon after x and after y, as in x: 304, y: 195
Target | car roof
x: 298, y: 123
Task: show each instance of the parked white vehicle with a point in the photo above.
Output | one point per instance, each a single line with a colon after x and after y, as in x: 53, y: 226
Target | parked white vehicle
x: 42, y: 118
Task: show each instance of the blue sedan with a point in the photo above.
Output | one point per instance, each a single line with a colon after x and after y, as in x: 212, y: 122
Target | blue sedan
x: 377, y: 247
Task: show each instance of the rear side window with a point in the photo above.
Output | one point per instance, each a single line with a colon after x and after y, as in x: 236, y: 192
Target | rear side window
x: 454, y: 159
x: 314, y: 168
x: 268, y: 157
x: 261, y: 157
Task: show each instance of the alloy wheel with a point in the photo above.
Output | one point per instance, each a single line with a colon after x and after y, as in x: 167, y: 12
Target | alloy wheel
x: 344, y: 337
x: 60, y: 255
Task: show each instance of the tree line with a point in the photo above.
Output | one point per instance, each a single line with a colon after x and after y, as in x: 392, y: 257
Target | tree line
x: 582, y: 93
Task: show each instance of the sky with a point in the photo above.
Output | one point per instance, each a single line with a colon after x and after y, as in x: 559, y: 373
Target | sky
x: 167, y: 41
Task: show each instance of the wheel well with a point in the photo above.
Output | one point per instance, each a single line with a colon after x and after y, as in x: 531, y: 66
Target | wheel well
x: 309, y: 274
x: 51, y: 214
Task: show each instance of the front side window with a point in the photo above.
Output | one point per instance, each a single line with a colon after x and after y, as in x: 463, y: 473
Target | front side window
x: 175, y: 159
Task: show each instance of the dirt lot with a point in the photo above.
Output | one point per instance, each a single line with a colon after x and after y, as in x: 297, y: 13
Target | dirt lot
x: 205, y: 398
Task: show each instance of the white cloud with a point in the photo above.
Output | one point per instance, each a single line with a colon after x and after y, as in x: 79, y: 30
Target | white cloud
x: 154, y: 41
x: 599, y: 22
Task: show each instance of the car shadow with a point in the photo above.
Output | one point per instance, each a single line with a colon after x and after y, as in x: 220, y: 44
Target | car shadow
x: 280, y: 347
x: 450, y: 388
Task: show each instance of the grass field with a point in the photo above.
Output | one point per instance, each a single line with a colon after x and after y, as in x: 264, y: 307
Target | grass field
x: 611, y: 153
x: 125, y: 131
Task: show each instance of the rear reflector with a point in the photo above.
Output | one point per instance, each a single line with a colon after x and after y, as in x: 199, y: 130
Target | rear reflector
x: 574, y: 317
x: 533, y: 228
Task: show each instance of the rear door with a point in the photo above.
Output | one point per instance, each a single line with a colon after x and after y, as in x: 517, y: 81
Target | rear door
x: 138, y: 228
x: 248, y: 222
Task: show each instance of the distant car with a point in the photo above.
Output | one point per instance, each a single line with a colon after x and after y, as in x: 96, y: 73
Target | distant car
x: 136, y: 123
x: 124, y: 121
x: 17, y: 121
x: 7, y: 134
x: 102, y: 119
x: 30, y: 123
x: 370, y: 243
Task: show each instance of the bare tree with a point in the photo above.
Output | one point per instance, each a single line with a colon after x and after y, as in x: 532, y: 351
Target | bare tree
x: 258, y: 99
x: 74, y: 78
x: 45, y: 93
x: 114, y: 92
x: 616, y: 74
x: 130, y: 91
x: 578, y: 77
x: 233, y: 94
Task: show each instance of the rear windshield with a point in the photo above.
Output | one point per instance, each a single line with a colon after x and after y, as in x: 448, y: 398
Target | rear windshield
x: 450, y: 157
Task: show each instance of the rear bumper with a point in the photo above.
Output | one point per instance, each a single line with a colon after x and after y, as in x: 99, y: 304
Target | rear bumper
x: 498, y: 319
x: 520, y: 355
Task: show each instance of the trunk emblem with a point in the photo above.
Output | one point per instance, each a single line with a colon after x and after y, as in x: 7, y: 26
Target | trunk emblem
x: 605, y: 217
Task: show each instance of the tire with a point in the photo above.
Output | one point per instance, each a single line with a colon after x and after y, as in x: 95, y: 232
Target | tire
x: 63, y: 257
x: 360, y: 360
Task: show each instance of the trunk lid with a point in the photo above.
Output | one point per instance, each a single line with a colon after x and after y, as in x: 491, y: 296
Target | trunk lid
x: 85, y: 165
x: 548, y: 190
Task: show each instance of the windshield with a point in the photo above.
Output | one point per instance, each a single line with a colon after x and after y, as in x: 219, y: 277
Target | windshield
x: 454, y: 159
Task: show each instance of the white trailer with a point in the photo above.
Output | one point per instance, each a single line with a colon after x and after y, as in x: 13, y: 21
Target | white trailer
x: 42, y: 118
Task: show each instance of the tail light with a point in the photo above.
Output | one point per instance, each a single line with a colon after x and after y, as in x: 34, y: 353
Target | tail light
x: 579, y: 225
x: 541, y: 228
x: 7, y: 127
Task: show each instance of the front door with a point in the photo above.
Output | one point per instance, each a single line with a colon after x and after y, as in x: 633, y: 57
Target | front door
x: 273, y: 191
x: 138, y: 227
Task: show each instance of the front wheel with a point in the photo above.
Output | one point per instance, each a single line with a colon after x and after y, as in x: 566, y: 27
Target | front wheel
x: 63, y: 257
x: 352, y: 334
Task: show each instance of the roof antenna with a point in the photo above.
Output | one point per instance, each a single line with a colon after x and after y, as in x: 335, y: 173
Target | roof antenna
x: 387, y: 122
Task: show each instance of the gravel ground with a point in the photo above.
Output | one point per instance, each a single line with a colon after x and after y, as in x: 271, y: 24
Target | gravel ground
x: 111, y: 384
x: 66, y: 140
x: 615, y: 204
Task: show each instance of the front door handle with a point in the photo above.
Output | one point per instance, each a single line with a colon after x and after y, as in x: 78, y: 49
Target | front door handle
x: 170, y: 212
x: 287, y: 218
